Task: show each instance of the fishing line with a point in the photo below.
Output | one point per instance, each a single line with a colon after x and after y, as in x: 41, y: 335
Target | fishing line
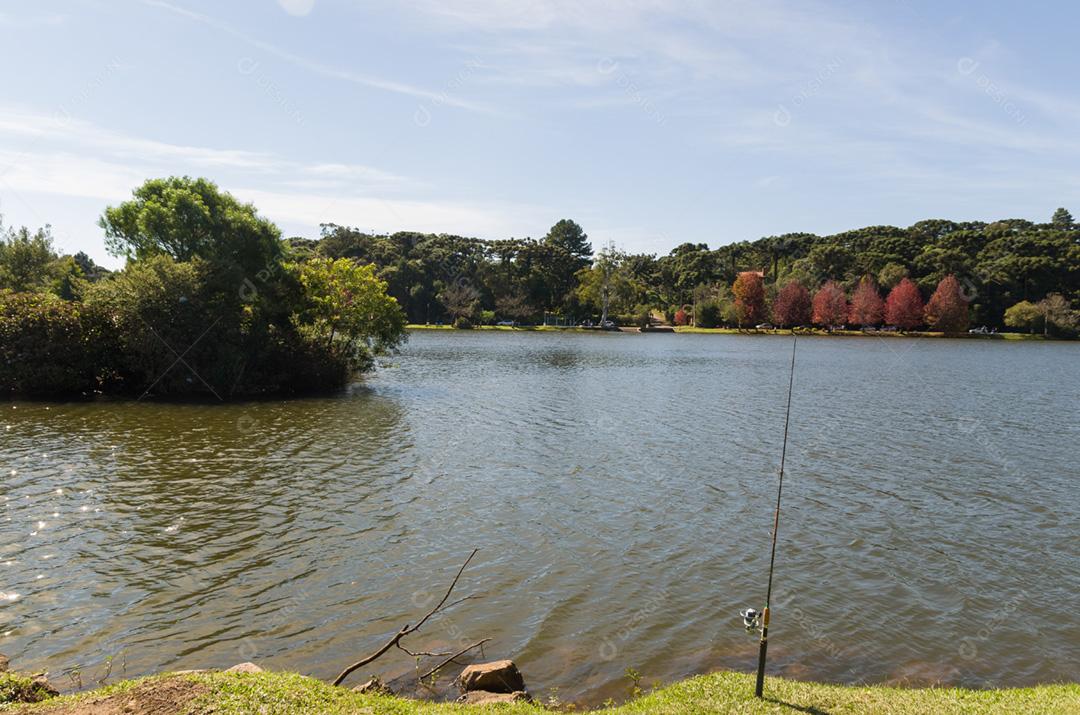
x: 752, y: 619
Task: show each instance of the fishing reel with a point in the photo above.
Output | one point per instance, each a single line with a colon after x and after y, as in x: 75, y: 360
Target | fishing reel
x: 751, y: 619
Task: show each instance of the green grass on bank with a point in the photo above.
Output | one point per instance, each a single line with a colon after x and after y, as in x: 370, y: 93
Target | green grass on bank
x: 735, y: 331
x: 519, y: 328
x: 291, y: 694
x: 859, y: 333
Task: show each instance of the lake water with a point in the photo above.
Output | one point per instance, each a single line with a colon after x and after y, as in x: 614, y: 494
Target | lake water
x: 619, y: 488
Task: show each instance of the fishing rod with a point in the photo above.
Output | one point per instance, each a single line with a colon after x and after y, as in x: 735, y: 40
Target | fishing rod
x: 751, y: 618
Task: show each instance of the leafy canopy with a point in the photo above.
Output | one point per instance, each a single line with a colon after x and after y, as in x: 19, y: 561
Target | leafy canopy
x: 188, y: 218
x: 348, y: 307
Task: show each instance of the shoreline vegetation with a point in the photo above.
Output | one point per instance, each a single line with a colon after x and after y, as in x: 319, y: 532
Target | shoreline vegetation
x: 214, y: 302
x: 284, y: 693
x: 690, y: 330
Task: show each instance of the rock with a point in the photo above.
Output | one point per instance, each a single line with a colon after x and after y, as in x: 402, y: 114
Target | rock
x: 3, y: 663
x: 373, y: 687
x: 500, y: 676
x: 42, y: 684
x: 244, y: 668
x: 483, y: 697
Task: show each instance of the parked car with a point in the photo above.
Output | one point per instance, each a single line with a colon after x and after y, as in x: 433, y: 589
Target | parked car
x: 982, y: 330
x: 506, y: 323
x: 764, y: 326
x: 609, y: 325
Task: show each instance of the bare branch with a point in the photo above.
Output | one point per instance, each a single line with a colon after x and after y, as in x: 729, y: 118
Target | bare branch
x: 460, y: 653
x: 420, y: 654
x: 406, y: 629
x: 439, y: 605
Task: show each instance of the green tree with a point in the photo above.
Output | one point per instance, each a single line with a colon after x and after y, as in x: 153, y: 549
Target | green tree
x: 606, y: 283
x: 67, y: 278
x: 349, y: 308
x: 25, y: 259
x: 891, y: 274
x: 570, y: 237
x: 1024, y: 315
x: 157, y: 309
x: 1062, y: 219
x: 188, y: 218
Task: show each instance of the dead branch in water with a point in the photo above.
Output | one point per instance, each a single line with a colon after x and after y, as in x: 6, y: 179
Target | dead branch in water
x: 449, y: 660
x: 407, y: 629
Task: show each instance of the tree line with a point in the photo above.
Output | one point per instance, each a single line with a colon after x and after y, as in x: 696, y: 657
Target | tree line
x: 444, y: 278
x: 296, y: 314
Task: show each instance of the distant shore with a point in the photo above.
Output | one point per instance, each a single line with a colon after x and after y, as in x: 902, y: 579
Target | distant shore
x: 688, y: 330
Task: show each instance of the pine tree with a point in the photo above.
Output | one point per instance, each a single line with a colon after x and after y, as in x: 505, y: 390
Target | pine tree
x: 1062, y: 219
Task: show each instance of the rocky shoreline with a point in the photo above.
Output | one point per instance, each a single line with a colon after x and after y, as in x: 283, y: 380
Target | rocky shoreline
x: 497, y: 681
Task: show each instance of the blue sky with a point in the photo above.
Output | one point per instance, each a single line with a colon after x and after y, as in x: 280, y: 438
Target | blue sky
x: 651, y: 123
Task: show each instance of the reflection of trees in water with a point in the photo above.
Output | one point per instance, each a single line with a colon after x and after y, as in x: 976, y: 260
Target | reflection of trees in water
x: 196, y: 485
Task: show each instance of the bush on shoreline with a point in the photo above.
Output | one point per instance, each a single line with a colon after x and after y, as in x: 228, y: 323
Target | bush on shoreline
x: 211, y: 304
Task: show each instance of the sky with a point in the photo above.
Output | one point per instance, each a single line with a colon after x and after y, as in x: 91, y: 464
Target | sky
x: 651, y: 123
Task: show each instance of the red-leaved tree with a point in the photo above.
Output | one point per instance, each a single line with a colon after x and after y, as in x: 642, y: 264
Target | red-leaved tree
x: 792, y: 305
x: 749, y: 292
x: 867, y: 307
x: 681, y: 318
x: 947, y: 310
x: 830, y: 305
x: 904, y: 306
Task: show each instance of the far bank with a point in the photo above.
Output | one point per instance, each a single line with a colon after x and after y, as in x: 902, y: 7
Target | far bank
x: 689, y: 330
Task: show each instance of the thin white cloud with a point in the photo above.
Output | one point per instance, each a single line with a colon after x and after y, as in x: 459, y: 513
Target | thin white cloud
x: 77, y: 159
x: 325, y: 69
x: 52, y: 135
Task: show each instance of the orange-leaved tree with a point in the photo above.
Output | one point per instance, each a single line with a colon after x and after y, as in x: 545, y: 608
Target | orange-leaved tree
x: 904, y: 306
x: 749, y: 292
x: 830, y: 305
x: 792, y: 305
x: 947, y: 310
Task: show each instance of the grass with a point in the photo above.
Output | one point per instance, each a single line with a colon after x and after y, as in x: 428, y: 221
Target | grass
x: 528, y: 328
x: 292, y: 694
x: 14, y: 686
x: 859, y: 333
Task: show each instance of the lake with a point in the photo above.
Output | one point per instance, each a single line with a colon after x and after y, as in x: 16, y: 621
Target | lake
x: 619, y: 488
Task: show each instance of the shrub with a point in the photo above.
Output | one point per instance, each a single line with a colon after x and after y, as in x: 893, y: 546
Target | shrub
x: 158, y: 310
x: 708, y: 314
x: 463, y: 323
x: 49, y: 346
